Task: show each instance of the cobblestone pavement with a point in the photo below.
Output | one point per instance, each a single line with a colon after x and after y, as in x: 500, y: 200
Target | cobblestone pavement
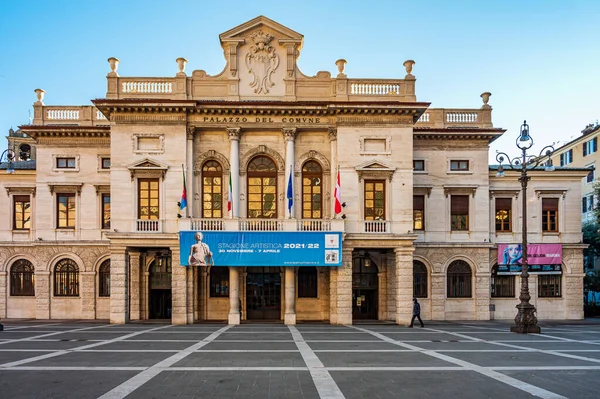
x: 443, y: 360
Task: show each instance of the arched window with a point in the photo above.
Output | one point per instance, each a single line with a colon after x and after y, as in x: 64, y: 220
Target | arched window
x: 307, y: 282
x: 312, y: 184
x: 262, y: 188
x: 503, y: 286
x: 219, y: 282
x: 212, y: 190
x: 419, y: 279
x: 66, y: 278
x: 459, y: 279
x: 22, y: 278
x: 104, y: 278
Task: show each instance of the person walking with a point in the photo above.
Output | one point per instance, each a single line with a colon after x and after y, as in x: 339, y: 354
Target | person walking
x: 416, y: 313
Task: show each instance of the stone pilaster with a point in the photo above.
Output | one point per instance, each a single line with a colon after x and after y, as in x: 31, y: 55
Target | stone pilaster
x: 235, y: 133
x: 438, y: 296
x: 203, y: 293
x: 3, y: 294
x: 178, y: 289
x: 289, y: 136
x: 234, y: 295
x: 341, y: 305
x: 290, y: 296
x: 145, y: 289
x: 134, y: 284
x: 87, y: 292
x: 390, y: 306
x: 482, y: 295
x: 118, y: 287
x: 191, y: 284
x: 404, y: 284
x: 333, y: 278
x: 382, y: 294
x: 573, y: 295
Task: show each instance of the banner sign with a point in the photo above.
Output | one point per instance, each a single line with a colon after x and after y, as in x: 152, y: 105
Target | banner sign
x: 515, y: 270
x: 260, y: 248
x: 537, y: 254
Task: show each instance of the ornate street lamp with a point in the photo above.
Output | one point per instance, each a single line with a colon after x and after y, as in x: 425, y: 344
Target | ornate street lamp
x: 525, y: 320
x: 10, y: 157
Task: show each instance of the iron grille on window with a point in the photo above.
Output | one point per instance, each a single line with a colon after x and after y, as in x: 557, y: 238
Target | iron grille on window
x: 104, y: 279
x: 22, y: 278
x: 419, y: 279
x: 502, y: 286
x: 66, y: 278
x: 459, y: 279
x: 549, y: 286
x: 307, y: 282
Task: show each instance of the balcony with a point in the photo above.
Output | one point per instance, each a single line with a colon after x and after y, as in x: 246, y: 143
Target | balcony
x: 148, y: 226
x: 68, y: 115
x: 190, y: 224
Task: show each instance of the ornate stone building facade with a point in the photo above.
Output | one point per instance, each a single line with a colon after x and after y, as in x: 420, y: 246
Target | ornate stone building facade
x: 97, y: 231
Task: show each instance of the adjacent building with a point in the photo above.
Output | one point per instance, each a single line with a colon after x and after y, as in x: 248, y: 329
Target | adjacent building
x: 322, y: 197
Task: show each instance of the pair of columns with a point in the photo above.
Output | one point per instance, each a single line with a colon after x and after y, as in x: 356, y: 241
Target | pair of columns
x: 235, y: 312
x: 235, y: 133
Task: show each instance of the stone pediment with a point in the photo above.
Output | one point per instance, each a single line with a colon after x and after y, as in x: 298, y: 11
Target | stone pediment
x: 375, y: 169
x: 147, y: 168
x: 242, y: 31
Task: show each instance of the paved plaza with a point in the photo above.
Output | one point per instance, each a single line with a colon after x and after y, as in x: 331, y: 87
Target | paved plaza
x: 443, y: 360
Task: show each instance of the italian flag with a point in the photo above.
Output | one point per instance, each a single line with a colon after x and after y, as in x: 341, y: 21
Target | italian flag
x: 229, y: 196
x: 338, y: 195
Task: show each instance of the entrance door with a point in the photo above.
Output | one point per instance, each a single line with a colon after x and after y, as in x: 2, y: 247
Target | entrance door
x: 365, y: 284
x: 160, y: 287
x: 263, y: 293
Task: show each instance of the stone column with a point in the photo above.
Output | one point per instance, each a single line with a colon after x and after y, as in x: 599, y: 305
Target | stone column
x: 234, y: 160
x: 42, y: 294
x: 134, y: 286
x: 87, y: 293
x: 404, y: 284
x: 144, y: 306
x: 341, y: 293
x: 438, y: 296
x: 204, y: 287
x: 3, y: 295
x: 189, y: 175
x: 334, y: 169
x: 234, y: 295
x: 191, y: 293
x: 290, y: 296
x: 178, y: 289
x: 118, y: 287
x: 289, y: 135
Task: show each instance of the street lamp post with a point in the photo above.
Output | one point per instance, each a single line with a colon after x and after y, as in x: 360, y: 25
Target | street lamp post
x: 525, y: 320
x: 10, y: 157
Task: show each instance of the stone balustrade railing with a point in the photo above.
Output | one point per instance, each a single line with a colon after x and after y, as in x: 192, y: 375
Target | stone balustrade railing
x: 191, y: 224
x: 68, y: 115
x: 445, y: 118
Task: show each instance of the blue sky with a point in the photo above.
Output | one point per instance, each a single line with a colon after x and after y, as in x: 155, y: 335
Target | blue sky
x: 539, y: 59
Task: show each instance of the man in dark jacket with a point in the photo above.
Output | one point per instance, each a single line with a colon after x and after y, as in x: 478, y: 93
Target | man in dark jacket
x: 416, y: 313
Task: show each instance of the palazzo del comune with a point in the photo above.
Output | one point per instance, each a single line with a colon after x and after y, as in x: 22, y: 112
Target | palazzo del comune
x: 94, y: 226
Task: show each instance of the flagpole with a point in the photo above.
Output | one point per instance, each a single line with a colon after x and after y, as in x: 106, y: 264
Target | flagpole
x: 187, y: 208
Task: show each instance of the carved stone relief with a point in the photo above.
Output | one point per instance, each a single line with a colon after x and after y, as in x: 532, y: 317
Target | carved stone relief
x: 262, y: 62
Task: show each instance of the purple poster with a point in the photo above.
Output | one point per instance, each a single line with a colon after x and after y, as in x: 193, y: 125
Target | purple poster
x: 537, y: 254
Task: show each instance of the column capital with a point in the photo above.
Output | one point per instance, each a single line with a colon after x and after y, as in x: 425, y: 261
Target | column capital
x: 190, y: 130
x: 406, y: 251
x: 332, y: 131
x: 234, y: 133
x: 289, y: 133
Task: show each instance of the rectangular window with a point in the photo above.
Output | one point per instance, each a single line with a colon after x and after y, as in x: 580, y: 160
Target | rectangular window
x: 590, y: 203
x: 374, y: 199
x: 550, y: 214
x: 105, y: 211
x: 590, y: 176
x: 549, y: 286
x: 419, y: 165
x: 212, y: 194
x: 21, y: 212
x: 503, y: 286
x: 584, y: 205
x: 148, y: 199
x: 590, y: 147
x: 504, y: 214
x: 65, y: 211
x: 105, y: 163
x: 459, y: 165
x: 566, y: 158
x: 418, y: 212
x: 65, y: 163
x: 307, y: 282
x: 459, y: 212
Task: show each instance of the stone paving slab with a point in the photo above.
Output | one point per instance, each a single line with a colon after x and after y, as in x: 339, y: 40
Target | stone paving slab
x: 9, y: 357
x: 155, y: 336
x: 218, y: 345
x: 86, y: 336
x: 462, y: 345
x: 98, y: 359
x: 591, y: 355
x: 422, y: 384
x: 380, y: 359
x: 421, y: 335
x: 59, y: 384
x: 229, y: 385
x: 352, y: 345
x: 21, y: 334
x: 276, y: 336
x: 154, y: 345
x: 573, y: 384
x: 357, y: 336
x: 242, y: 359
x: 557, y: 345
x: 43, y: 345
x: 531, y: 359
x: 508, y: 336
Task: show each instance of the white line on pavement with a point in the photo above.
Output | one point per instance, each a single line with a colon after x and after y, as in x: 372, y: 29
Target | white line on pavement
x: 50, y: 334
x: 325, y: 384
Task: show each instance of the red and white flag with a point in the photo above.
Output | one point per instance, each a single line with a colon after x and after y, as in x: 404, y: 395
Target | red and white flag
x: 338, y: 195
x: 229, y: 195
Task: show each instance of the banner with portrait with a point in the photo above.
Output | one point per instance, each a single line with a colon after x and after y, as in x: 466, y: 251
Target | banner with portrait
x: 260, y: 248
x: 537, y: 254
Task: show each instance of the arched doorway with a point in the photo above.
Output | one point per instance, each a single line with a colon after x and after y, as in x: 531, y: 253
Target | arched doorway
x: 365, y: 286
x: 263, y: 293
x: 160, y: 286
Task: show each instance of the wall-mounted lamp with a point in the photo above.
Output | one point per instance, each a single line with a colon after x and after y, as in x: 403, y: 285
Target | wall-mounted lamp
x: 344, y: 216
x: 367, y: 260
x: 179, y: 216
x: 40, y: 238
x: 343, y: 204
x: 179, y: 204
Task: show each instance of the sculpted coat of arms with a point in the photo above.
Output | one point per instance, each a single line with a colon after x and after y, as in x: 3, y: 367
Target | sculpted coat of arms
x: 262, y: 62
